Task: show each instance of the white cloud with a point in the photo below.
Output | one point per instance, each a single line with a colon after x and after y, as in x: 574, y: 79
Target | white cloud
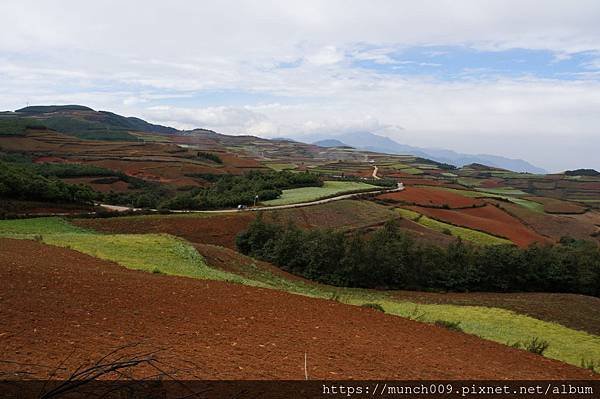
x: 134, y: 59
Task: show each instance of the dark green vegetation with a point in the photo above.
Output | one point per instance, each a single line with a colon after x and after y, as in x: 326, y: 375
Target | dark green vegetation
x: 78, y: 121
x: 10, y: 126
x: 391, y: 259
x: 210, y: 156
x: 22, y: 182
x: 535, y: 345
x: 582, y: 172
x: 230, y: 190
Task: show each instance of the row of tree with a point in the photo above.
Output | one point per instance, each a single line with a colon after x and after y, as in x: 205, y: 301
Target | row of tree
x: 391, y: 259
x: 20, y: 182
x: 233, y: 190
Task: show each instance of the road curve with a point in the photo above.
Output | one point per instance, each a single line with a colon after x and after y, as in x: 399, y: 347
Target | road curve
x: 400, y: 187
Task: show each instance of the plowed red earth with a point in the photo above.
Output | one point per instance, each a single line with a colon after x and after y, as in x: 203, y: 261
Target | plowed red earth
x: 217, y: 229
x: 57, y: 302
x: 488, y: 219
x: 425, y: 196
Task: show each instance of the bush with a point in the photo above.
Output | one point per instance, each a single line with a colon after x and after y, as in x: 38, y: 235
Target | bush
x: 374, y: 306
x: 450, y: 325
x: 590, y: 364
x: 535, y: 345
x: 390, y: 259
x: 210, y: 156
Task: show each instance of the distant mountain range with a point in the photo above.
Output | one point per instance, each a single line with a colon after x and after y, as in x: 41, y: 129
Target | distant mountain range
x: 86, y: 123
x: 376, y: 143
x: 331, y: 143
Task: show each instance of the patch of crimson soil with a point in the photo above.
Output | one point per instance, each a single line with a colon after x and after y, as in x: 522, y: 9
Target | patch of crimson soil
x: 118, y: 186
x: 491, y: 183
x: 553, y: 205
x: 488, y: 219
x: 60, y: 306
x: 579, y: 312
x: 18, y: 207
x: 235, y: 262
x: 217, y: 229
x: 425, y: 196
x: 553, y: 226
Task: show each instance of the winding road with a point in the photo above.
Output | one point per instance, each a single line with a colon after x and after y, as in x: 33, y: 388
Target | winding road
x: 400, y: 187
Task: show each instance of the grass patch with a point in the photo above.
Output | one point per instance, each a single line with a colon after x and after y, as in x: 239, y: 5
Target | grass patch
x: 330, y: 188
x: 464, y: 233
x: 38, y: 226
x: 506, y: 327
x: 412, y: 171
x: 502, y: 191
x: 281, y: 166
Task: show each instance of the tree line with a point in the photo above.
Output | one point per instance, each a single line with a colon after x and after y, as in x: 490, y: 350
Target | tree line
x: 233, y: 190
x: 390, y: 259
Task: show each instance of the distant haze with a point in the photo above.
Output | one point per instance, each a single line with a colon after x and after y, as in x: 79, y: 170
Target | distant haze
x: 519, y: 79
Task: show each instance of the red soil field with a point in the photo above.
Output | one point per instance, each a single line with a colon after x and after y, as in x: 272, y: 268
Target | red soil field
x: 491, y: 183
x: 425, y: 196
x: 217, y: 229
x: 553, y: 226
x: 221, y: 229
x: 489, y: 219
x: 62, y: 306
x: 118, y: 186
x: 553, y: 205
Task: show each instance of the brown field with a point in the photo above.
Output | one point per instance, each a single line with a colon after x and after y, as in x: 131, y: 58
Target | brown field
x: 218, y: 330
x: 118, y: 186
x: 213, y: 229
x: 345, y: 214
x: 221, y: 229
x: 552, y: 205
x: 19, y: 207
x: 552, y: 226
x: 489, y: 219
x: 424, y: 196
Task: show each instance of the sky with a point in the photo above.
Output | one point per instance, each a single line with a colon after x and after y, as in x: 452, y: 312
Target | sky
x: 512, y: 78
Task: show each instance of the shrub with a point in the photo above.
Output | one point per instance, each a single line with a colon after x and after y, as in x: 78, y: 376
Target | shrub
x: 590, y: 364
x: 535, y: 345
x: 450, y: 325
x: 156, y: 270
x: 374, y: 306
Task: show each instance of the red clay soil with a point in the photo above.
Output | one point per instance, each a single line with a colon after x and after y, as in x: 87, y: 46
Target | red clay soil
x: 553, y: 205
x: 553, y: 226
x: 216, y: 229
x: 59, y: 305
x: 425, y: 196
x: 488, y: 219
x: 492, y: 183
x: 221, y: 229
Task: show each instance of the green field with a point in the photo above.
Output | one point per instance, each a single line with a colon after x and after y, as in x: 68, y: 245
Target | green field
x: 170, y: 255
x: 475, y: 236
x: 281, y: 166
x: 502, y: 191
x: 412, y: 171
x: 329, y: 189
